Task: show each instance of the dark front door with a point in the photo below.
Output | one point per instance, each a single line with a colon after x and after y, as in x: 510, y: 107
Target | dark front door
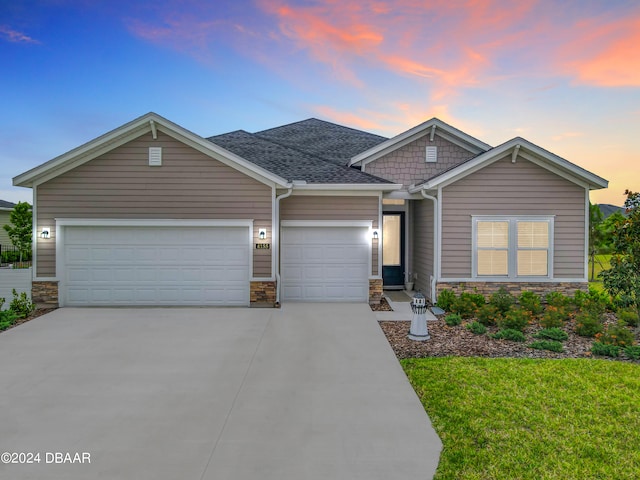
x: 393, y: 250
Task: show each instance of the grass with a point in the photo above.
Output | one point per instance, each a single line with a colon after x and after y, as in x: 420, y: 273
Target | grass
x: 531, y: 419
x: 602, y: 263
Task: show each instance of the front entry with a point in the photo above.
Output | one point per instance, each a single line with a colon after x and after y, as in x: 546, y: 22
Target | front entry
x: 393, y: 250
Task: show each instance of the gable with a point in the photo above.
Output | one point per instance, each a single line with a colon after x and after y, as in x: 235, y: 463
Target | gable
x: 407, y: 165
x: 149, y: 123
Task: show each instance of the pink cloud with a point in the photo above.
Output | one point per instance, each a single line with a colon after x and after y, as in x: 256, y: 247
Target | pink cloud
x: 14, y: 36
x: 607, y: 55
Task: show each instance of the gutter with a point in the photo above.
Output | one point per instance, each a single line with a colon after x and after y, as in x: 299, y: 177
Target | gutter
x: 276, y: 231
x: 436, y: 260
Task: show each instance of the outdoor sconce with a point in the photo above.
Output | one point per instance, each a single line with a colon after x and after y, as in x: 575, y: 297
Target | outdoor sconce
x: 262, y: 233
x: 375, y: 234
x: 46, y: 232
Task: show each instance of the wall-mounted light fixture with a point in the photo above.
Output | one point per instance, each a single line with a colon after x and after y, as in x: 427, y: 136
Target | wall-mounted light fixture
x: 262, y: 233
x: 375, y: 234
x: 45, y: 233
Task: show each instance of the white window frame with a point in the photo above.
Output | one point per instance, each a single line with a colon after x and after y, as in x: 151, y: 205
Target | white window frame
x: 513, y: 246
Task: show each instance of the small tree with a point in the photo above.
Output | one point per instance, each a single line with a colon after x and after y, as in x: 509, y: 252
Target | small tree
x: 20, y: 230
x: 623, y: 278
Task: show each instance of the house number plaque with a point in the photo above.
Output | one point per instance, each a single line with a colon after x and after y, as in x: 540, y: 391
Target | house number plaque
x: 263, y: 246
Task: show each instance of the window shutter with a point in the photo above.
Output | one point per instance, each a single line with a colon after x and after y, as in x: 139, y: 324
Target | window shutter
x: 155, y: 156
x: 432, y: 155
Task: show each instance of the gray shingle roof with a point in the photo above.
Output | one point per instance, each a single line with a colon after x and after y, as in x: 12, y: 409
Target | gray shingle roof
x: 326, y: 140
x: 289, y: 163
x: 5, y: 204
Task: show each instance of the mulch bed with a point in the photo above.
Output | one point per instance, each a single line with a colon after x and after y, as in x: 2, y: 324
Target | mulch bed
x: 459, y: 341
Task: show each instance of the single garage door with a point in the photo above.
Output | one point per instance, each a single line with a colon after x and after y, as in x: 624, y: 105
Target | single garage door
x: 325, y: 264
x: 155, y: 265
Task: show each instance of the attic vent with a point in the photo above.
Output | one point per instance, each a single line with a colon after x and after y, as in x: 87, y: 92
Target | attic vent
x: 155, y: 156
x: 432, y: 155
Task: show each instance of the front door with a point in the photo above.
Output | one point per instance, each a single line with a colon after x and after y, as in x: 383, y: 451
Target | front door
x: 393, y: 250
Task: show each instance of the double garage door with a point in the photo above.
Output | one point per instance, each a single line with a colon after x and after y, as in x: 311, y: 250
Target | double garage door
x: 155, y: 265
x: 325, y: 264
x: 132, y: 265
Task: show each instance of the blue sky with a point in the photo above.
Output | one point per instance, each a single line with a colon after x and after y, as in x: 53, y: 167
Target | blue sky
x: 565, y: 75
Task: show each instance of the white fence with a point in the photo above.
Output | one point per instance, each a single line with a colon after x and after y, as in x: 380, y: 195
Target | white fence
x: 19, y: 278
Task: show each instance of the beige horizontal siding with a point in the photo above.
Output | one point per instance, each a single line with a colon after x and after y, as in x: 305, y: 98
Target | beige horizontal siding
x: 302, y: 207
x: 120, y: 184
x: 423, y: 244
x: 4, y: 236
x: 505, y: 188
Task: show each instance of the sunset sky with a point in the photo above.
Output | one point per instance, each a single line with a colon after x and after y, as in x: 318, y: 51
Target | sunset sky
x: 562, y: 74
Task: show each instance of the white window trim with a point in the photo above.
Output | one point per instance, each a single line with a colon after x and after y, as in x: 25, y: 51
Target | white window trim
x: 513, y: 249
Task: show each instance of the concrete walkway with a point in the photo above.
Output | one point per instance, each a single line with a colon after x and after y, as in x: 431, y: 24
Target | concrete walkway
x: 305, y: 392
x: 400, y: 302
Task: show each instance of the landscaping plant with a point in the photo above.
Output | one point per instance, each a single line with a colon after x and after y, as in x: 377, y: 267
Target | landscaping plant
x: 557, y: 299
x: 605, y: 349
x: 515, y: 319
x: 488, y: 315
x: 531, y: 302
x: 617, y: 334
x: 588, y: 324
x: 21, y: 305
x: 555, y: 333
x: 453, y: 319
x: 629, y: 316
x: 633, y: 353
x: 502, y: 300
x: 446, y: 299
x: 509, y: 334
x: 477, y: 328
x: 553, y: 317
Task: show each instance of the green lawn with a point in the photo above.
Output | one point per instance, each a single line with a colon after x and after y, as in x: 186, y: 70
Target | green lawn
x: 532, y: 419
x: 602, y: 263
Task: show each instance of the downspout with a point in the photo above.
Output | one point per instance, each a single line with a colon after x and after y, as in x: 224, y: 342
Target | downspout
x: 435, y: 244
x: 276, y: 231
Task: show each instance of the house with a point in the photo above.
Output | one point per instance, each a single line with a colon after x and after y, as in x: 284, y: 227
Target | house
x: 153, y: 214
x: 5, y: 210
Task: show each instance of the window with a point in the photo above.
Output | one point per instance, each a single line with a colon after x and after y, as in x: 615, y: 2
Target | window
x: 512, y: 247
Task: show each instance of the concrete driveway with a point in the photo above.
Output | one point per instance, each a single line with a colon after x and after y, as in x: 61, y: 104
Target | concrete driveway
x: 310, y: 391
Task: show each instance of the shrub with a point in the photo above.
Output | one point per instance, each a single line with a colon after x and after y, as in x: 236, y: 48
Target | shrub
x: 2, y: 300
x: 502, y: 300
x: 488, y: 315
x: 530, y: 301
x: 550, y: 345
x: 515, y: 319
x: 509, y: 334
x: 633, y: 353
x: 467, y: 304
x: 600, y: 297
x: 553, y: 334
x: 453, y: 319
x: 7, y: 318
x: 579, y: 298
x: 446, y: 299
x: 554, y: 317
x: 617, y: 334
x: 605, y: 350
x: 588, y: 325
x: 477, y: 328
x: 628, y: 315
x: 21, y: 305
x: 557, y: 299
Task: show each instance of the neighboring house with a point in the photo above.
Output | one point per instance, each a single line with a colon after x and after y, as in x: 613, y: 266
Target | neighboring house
x: 152, y: 214
x: 5, y: 210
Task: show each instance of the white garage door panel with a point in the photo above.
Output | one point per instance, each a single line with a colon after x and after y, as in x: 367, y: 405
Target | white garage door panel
x: 156, y: 265
x: 325, y: 264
